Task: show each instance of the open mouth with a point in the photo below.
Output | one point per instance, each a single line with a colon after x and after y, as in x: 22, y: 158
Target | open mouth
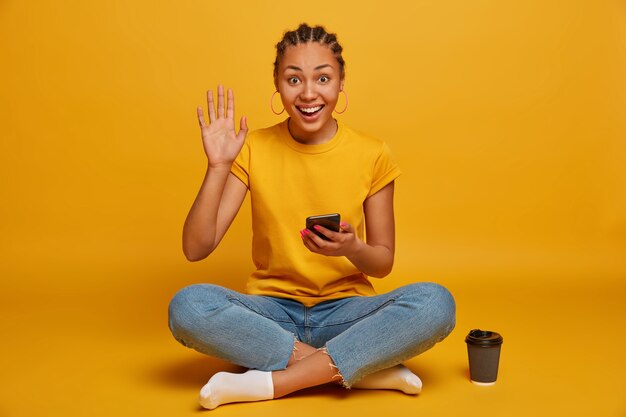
x: 310, y: 111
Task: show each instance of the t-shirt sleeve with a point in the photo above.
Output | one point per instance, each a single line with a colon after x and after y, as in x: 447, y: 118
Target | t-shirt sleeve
x: 241, y: 165
x: 385, y: 170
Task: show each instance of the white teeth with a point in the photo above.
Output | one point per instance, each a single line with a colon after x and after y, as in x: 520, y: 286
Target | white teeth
x: 310, y: 109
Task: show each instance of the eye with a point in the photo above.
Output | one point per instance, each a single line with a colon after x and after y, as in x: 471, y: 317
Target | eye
x: 293, y: 80
x: 324, y: 79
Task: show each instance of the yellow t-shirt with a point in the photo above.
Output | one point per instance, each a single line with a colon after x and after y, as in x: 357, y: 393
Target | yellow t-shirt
x: 289, y: 181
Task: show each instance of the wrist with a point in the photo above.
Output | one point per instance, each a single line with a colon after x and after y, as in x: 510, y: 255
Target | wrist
x: 219, y: 166
x: 356, y: 249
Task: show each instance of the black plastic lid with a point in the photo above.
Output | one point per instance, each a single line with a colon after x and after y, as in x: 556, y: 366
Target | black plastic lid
x: 479, y: 337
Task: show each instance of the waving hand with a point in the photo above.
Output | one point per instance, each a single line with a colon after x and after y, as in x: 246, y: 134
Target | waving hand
x: 221, y: 143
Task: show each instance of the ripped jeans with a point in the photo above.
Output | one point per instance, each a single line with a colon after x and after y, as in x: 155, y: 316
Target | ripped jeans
x: 362, y: 335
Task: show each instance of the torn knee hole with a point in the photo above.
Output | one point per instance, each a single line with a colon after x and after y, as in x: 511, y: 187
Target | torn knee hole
x: 337, y: 377
x: 294, y: 352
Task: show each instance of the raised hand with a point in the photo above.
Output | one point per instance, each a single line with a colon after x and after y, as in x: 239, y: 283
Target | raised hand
x: 221, y: 142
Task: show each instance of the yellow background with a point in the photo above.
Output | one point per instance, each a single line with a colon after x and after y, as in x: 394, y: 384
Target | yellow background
x: 507, y: 117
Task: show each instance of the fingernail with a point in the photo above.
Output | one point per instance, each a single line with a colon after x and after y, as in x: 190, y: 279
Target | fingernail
x: 343, y: 224
x: 307, y: 231
x: 316, y: 227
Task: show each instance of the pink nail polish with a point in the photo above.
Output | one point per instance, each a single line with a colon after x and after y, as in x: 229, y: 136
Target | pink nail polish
x: 307, y: 231
x: 316, y: 227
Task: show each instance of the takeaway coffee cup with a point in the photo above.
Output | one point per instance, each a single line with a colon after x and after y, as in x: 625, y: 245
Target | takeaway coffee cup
x: 483, y: 350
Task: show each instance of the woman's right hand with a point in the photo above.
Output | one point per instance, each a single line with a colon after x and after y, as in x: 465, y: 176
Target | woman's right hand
x: 221, y: 143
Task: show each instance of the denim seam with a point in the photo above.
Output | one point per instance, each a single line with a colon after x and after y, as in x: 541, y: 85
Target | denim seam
x: 339, y: 323
x: 211, y: 312
x: 245, y: 305
x: 306, y: 326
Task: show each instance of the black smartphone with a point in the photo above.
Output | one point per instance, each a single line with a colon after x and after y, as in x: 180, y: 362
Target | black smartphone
x: 329, y: 221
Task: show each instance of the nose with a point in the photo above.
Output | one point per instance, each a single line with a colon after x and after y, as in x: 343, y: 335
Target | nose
x: 309, y: 91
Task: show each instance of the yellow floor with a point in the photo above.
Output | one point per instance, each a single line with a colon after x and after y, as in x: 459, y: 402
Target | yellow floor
x: 101, y: 352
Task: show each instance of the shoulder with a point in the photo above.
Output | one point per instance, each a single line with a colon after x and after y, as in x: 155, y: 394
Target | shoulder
x: 266, y: 133
x: 373, y: 152
x: 364, y: 141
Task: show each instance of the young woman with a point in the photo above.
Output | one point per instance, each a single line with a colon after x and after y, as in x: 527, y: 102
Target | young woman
x: 310, y: 315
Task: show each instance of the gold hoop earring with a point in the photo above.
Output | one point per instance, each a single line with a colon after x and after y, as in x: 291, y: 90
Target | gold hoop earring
x: 272, y: 105
x: 346, y: 106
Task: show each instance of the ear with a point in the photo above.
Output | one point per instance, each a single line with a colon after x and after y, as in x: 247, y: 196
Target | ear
x: 276, y: 83
x: 341, y: 84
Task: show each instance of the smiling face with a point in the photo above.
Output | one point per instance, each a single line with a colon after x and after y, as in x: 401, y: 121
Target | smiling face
x: 309, y: 81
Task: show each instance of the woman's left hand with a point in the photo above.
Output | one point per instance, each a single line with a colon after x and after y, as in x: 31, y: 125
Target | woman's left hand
x: 342, y: 243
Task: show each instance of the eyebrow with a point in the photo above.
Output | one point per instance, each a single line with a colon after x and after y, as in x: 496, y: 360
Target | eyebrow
x: 319, y: 67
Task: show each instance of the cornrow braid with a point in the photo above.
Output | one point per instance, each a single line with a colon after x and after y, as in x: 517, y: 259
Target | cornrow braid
x: 305, y: 34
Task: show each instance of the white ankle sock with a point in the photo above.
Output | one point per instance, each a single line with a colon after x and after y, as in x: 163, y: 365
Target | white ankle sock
x: 224, y: 387
x: 398, y: 377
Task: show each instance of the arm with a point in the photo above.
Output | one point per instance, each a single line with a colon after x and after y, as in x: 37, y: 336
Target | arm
x: 212, y: 212
x: 374, y: 257
x: 221, y: 193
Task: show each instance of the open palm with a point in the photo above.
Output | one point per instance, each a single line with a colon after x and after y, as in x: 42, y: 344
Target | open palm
x: 221, y: 142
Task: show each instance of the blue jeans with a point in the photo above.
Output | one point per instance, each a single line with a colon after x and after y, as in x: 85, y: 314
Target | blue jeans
x: 362, y: 335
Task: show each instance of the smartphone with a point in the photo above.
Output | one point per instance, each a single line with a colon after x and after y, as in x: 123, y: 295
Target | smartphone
x: 329, y: 221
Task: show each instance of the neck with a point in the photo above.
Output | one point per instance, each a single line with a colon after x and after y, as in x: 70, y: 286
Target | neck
x: 318, y: 137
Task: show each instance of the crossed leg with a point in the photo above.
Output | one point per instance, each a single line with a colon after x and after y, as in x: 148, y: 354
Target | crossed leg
x: 308, y: 367
x: 397, y: 377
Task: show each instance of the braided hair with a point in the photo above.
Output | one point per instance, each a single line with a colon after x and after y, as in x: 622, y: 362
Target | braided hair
x: 305, y: 34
